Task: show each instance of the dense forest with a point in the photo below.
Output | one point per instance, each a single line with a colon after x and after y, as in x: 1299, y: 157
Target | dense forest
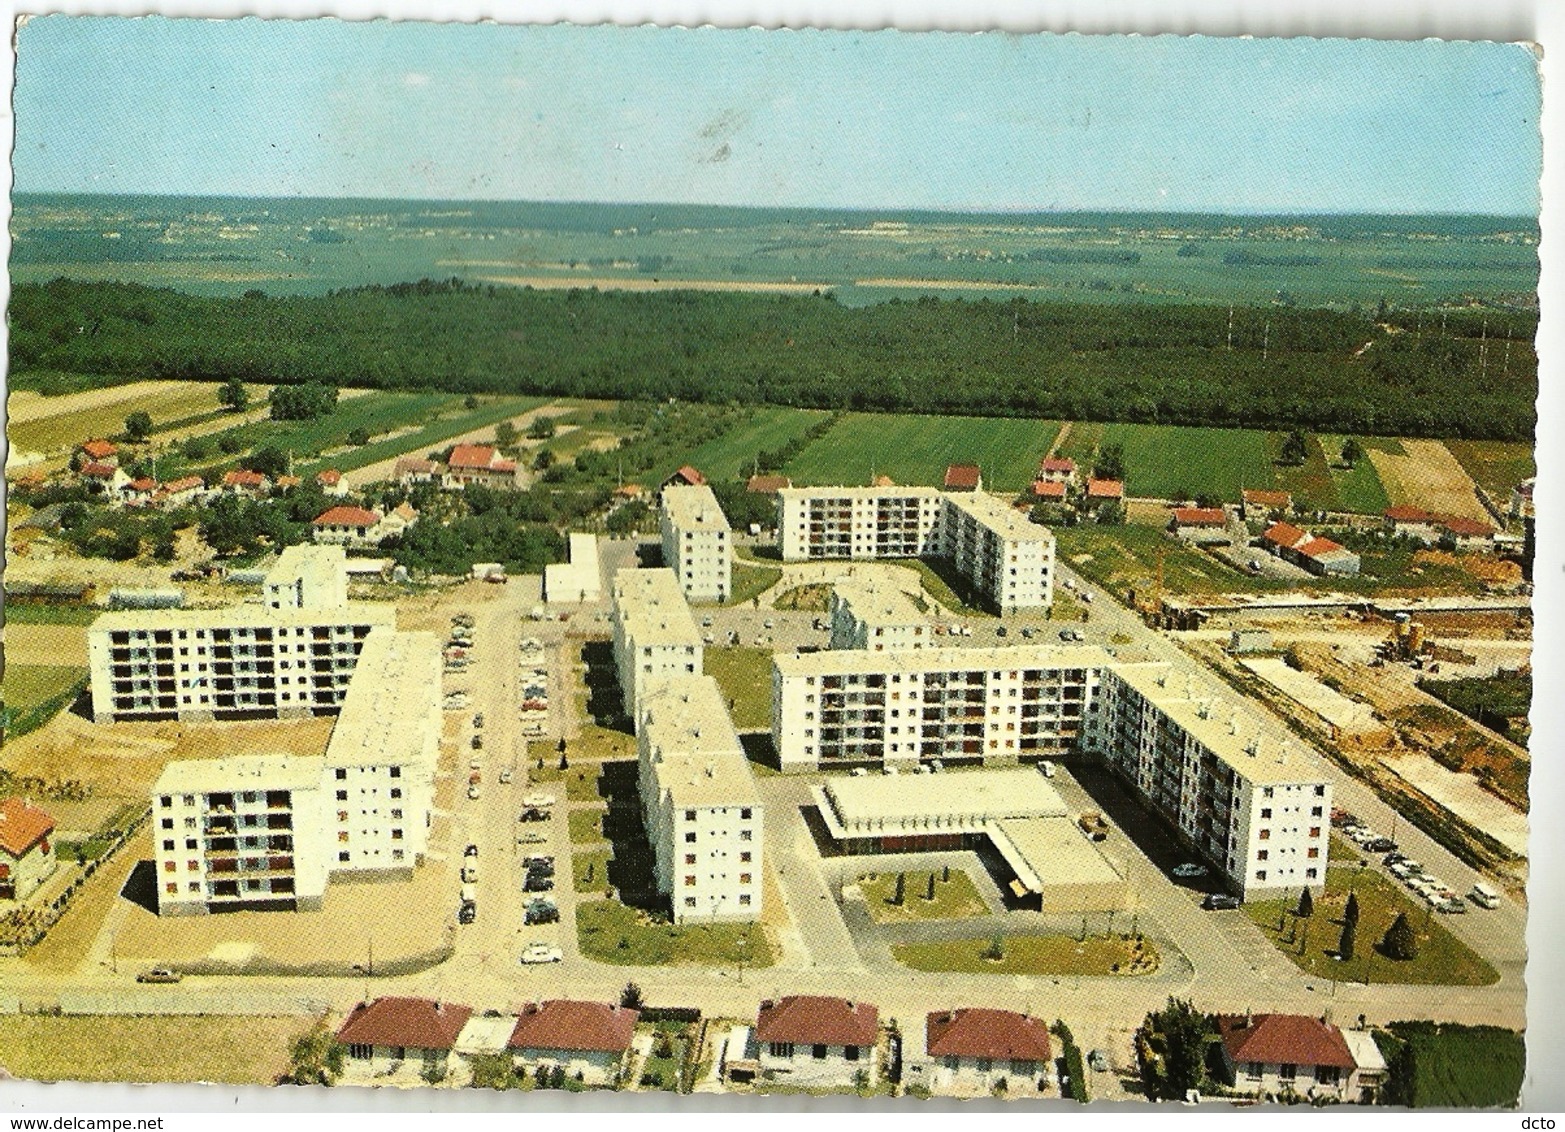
x: 1461, y: 373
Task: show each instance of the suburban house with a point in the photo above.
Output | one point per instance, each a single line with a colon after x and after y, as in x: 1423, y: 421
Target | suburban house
x: 287, y: 482
x: 1049, y: 491
x: 391, y: 1034
x: 332, y: 482
x: 1521, y: 498
x: 179, y: 493
x: 1105, y: 491
x: 138, y: 492
x: 1057, y: 469
x: 99, y: 452
x: 1412, y: 522
x: 26, y: 852
x: 589, y: 1038
x: 971, y: 1050
x: 410, y: 470
x: 964, y: 477
x: 1297, y: 1053
x: 686, y: 476
x: 104, y: 477
x: 397, y: 520
x: 1199, y: 524
x: 1311, y: 552
x: 816, y: 1040
x: 629, y: 492
x: 767, y: 485
x: 348, y: 526
x: 479, y: 463
x: 1466, y: 534
x: 243, y: 482
x: 1258, y: 504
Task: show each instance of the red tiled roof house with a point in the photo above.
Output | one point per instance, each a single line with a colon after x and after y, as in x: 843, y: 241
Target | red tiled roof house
x: 1199, y: 524
x: 99, y: 452
x: 1057, y: 469
x: 479, y: 463
x: 26, y: 848
x: 410, y: 1034
x: 415, y: 469
x: 816, y: 1040
x: 964, y: 477
x: 1317, y: 555
x: 968, y: 1051
x: 1101, y: 491
x: 589, y: 1038
x: 1465, y: 534
x: 1412, y: 522
x: 1281, y: 1053
x: 243, y: 482
x: 332, y: 482
x: 347, y: 526
x: 1259, y: 504
x: 1049, y: 491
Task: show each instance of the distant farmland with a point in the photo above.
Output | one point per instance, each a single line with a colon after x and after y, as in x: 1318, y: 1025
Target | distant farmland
x: 731, y: 455
x: 917, y: 449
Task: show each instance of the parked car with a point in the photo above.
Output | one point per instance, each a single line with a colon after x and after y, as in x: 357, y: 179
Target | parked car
x: 1392, y: 859
x: 467, y: 914
x: 1452, y: 907
x: 505, y: 777
x: 1046, y: 768
x: 541, y: 911
x: 1219, y: 901
x: 1341, y: 817
x: 538, y: 800
x: 542, y: 953
x: 478, y: 720
x: 472, y: 792
x: 535, y: 883
x: 1484, y: 896
x: 469, y: 874
x: 531, y: 839
x: 1099, y: 1060
x: 469, y: 894
x: 470, y: 851
x: 159, y: 975
x: 534, y: 815
x: 706, y: 622
x: 1000, y: 630
x: 1189, y: 871
x: 477, y: 743
x: 1027, y: 631
x: 1093, y: 825
x: 1380, y: 845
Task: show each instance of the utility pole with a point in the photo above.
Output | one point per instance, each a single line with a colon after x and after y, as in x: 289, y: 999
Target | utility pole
x: 1266, y: 341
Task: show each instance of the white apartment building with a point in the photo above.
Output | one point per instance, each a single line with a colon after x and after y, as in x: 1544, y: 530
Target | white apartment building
x: 857, y: 522
x: 266, y: 832
x: 381, y: 759
x: 580, y: 579
x: 1007, y: 557
x: 240, y: 833
x: 1256, y: 807
x: 698, y: 796
x: 240, y: 661
x: 957, y: 705
x: 654, y: 633
x: 697, y: 542
x: 877, y: 618
x: 307, y: 577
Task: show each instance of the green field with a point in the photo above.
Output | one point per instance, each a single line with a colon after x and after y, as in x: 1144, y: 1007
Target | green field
x: 1447, y: 1065
x: 745, y: 676
x: 1443, y: 960
x: 610, y: 932
x: 439, y: 416
x: 1358, y: 488
x: 586, y: 826
x: 68, y: 429
x: 956, y: 897
x: 731, y: 455
x: 750, y: 582
x: 917, y: 450
x: 41, y: 613
x: 1170, y: 461
x: 1495, y: 465
x: 590, y: 871
x: 1032, y: 955
x: 25, y: 686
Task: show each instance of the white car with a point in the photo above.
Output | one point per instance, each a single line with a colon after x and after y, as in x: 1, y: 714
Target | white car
x: 538, y: 801
x: 1086, y: 597
x: 505, y: 777
x: 542, y: 953
x: 1189, y: 871
x: 472, y: 791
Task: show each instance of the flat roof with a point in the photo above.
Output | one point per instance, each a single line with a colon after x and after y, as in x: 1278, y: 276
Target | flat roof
x: 973, y: 796
x: 483, y: 1034
x: 315, y: 563
x: 694, y: 508
x: 878, y: 603
x: 1049, y: 851
x: 886, y: 491
x: 242, y: 772
x: 247, y: 615
x: 1001, y: 518
x: 652, y: 608
x: 392, y: 701
x: 695, y: 751
x: 828, y: 662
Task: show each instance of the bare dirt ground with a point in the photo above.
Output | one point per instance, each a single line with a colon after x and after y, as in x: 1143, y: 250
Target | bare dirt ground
x: 46, y: 644
x: 27, y: 405
x: 384, y: 469
x: 1428, y: 476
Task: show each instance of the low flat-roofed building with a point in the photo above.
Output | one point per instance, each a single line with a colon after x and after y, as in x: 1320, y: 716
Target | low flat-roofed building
x: 697, y: 542
x: 580, y: 579
x: 959, y: 705
x: 1057, y: 866
x: 654, y: 633
x: 702, y: 811
x: 1007, y: 558
x: 876, y: 617
x: 307, y: 577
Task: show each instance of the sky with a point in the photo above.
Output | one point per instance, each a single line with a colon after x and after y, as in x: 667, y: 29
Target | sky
x: 786, y: 118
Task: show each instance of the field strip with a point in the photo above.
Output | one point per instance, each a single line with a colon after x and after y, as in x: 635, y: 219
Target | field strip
x: 613, y: 283
x: 384, y: 469
x: 1428, y: 476
x: 27, y: 405
x: 45, y: 644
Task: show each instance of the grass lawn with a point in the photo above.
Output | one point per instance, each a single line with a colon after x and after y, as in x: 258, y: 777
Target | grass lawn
x: 662, y: 1072
x: 750, y: 582
x: 27, y: 685
x: 1341, y: 849
x: 939, y: 588
x: 227, y: 1050
x: 590, y: 870
x: 580, y: 781
x: 1358, y: 488
x: 595, y: 742
x: 586, y: 826
x: 1032, y: 955
x: 732, y: 455
x: 745, y: 677
x: 610, y: 932
x: 439, y: 417
x: 1495, y: 465
x: 1443, y: 960
x: 39, y: 613
x: 915, y: 449
x: 1126, y: 557
x: 955, y: 898
x: 815, y: 598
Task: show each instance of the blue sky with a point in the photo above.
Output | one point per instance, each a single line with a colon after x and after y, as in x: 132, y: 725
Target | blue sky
x: 851, y: 119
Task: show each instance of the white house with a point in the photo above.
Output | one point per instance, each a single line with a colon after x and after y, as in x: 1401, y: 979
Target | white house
x: 589, y: 1038
x: 815, y: 1040
x: 401, y: 1036
x: 1278, y: 1054
x: 27, y: 856
x: 968, y: 1052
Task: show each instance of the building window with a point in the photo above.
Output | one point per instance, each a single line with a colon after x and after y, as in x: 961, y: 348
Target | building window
x: 1314, y: 831
x: 744, y: 858
x: 342, y: 773
x: 689, y: 881
x: 745, y: 899
x: 1266, y: 812
x: 690, y: 902
x: 818, y: 1052
x: 690, y: 858
x: 193, y: 866
x: 850, y: 1053
x: 744, y: 814
x: 744, y: 878
x: 1288, y: 1072
x: 168, y: 823
x: 1266, y: 835
x: 171, y: 888
x: 167, y: 801
x: 344, y: 856
x: 342, y: 836
x: 342, y: 795
x: 690, y: 839
x: 396, y: 792
x: 342, y: 815
x: 1313, y: 853
x: 361, y: 1052
x: 1262, y: 854
x: 396, y: 835
x: 744, y: 835
x: 1320, y: 792
x: 395, y: 772
x: 782, y: 1050
x: 1260, y: 874
x: 1310, y: 874
x: 690, y: 815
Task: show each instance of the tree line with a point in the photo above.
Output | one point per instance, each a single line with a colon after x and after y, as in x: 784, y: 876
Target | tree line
x: 1461, y: 373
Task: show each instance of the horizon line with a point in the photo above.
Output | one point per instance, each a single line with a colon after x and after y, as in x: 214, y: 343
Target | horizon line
x: 988, y: 210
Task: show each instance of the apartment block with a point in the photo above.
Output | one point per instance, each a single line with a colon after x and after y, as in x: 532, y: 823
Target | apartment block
x: 237, y: 662
x: 858, y: 522
x: 1255, y: 807
x: 877, y: 618
x: 1007, y: 557
x: 381, y: 758
x: 239, y: 833
x: 958, y: 705
x: 697, y: 542
x: 701, y: 808
x: 654, y: 634
x: 308, y: 577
